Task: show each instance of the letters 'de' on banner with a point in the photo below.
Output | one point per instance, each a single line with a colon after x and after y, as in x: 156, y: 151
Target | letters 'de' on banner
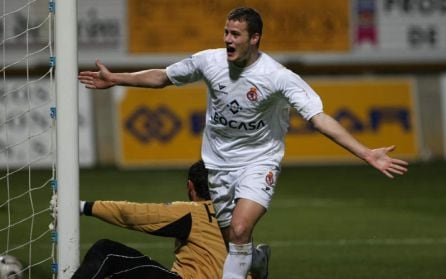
x: 159, y: 26
x: 164, y: 128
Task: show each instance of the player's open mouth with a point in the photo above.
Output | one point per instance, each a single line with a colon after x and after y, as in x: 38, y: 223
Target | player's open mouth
x: 230, y: 50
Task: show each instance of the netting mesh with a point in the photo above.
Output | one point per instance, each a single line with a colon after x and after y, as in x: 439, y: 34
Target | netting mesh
x: 27, y: 135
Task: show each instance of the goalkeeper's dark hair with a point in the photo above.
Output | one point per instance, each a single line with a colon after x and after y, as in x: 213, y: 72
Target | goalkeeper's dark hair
x: 198, y: 174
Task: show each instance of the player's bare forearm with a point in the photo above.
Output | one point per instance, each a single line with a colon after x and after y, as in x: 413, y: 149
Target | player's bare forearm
x: 377, y: 158
x: 103, y: 79
x: 154, y: 78
x: 331, y: 128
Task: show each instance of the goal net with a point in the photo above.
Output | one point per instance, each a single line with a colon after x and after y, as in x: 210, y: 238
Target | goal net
x: 28, y: 157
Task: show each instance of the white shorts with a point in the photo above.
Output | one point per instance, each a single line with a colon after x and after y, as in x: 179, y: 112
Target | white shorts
x: 255, y: 183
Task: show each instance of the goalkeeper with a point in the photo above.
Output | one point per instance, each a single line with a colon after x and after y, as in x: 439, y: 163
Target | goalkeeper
x: 199, y: 247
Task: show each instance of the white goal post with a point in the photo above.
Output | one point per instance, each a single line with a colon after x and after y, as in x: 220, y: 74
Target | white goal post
x: 39, y: 135
x: 67, y: 137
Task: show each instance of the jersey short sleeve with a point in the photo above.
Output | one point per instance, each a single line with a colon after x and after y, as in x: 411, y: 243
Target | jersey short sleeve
x: 187, y: 70
x: 299, y: 94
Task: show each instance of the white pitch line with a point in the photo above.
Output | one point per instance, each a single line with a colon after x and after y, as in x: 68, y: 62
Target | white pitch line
x: 338, y: 242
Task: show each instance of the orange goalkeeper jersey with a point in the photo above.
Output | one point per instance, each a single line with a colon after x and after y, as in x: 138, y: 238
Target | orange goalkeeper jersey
x: 200, y: 250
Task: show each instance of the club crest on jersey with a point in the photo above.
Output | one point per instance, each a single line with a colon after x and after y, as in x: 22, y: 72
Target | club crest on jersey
x: 252, y: 94
x: 269, y: 178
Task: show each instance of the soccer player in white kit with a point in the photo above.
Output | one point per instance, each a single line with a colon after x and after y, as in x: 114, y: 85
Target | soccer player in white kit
x: 249, y: 98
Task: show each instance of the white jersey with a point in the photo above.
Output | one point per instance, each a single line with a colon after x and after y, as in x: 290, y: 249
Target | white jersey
x: 247, y: 113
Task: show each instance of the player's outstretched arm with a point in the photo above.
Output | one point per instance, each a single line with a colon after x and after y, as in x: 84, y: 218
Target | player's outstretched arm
x: 377, y: 158
x: 103, y: 78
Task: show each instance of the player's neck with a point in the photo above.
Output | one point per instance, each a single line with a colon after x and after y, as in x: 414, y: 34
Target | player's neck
x: 249, y: 61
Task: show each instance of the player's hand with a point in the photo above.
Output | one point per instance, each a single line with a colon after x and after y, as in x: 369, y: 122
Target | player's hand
x: 379, y: 159
x: 101, y: 79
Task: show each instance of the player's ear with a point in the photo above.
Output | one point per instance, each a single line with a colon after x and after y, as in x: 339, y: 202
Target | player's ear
x: 191, y: 190
x: 190, y: 185
x: 255, y: 38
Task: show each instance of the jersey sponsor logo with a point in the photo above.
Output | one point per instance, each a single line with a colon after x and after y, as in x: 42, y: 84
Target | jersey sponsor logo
x: 234, y: 107
x: 252, y: 94
x: 239, y: 125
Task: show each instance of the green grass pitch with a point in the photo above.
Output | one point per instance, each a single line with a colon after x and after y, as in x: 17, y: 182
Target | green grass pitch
x: 336, y: 222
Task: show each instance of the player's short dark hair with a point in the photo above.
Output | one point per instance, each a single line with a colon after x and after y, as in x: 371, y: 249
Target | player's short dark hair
x: 198, y: 174
x: 251, y: 16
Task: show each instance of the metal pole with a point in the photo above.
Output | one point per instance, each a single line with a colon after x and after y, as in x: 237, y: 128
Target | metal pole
x: 67, y: 137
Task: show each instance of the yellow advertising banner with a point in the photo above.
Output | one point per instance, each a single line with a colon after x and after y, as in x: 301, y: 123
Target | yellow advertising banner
x: 164, y: 127
x: 159, y: 26
x: 378, y: 112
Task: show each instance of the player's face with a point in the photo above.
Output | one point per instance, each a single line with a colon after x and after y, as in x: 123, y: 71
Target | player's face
x: 240, y: 47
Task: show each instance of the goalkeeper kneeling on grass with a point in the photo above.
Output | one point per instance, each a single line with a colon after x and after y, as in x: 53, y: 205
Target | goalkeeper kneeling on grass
x: 200, y: 250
